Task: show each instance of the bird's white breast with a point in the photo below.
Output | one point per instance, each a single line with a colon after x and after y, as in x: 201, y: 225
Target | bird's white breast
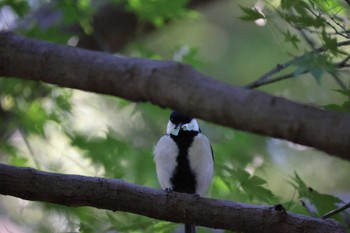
x: 201, y: 162
x: 165, y: 153
x: 199, y: 156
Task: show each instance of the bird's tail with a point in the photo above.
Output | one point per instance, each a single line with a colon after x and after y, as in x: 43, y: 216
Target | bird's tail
x: 190, y: 228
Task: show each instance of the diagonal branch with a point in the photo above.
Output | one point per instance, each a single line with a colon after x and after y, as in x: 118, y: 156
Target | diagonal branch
x: 118, y: 195
x: 175, y: 86
x: 260, y: 82
x: 266, y: 78
x: 336, y: 211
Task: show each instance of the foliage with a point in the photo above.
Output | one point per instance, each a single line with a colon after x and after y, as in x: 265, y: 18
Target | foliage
x: 158, y: 11
x: 120, y: 146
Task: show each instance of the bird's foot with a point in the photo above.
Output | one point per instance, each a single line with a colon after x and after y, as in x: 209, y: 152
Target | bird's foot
x: 168, y: 191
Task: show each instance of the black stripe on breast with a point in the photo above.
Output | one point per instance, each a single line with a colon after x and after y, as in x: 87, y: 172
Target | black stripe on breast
x: 183, y: 179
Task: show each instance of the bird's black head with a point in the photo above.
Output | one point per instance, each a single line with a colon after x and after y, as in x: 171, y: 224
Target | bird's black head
x: 179, y: 122
x: 179, y: 118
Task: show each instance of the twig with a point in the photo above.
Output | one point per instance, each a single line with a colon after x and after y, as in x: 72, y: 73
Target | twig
x: 264, y: 79
x: 341, y: 64
x: 336, y: 211
x: 331, y: 25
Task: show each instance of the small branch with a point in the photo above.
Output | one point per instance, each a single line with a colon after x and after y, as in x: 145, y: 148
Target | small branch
x: 341, y: 64
x: 276, y: 79
x: 337, y: 32
x: 312, y: 43
x: 118, y: 195
x: 264, y: 78
x: 336, y: 211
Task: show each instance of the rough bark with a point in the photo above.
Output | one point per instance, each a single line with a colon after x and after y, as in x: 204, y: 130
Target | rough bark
x: 176, y: 86
x: 118, y: 195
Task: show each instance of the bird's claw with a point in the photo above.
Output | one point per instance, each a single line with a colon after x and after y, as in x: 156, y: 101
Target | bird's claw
x: 196, y: 196
x: 168, y: 190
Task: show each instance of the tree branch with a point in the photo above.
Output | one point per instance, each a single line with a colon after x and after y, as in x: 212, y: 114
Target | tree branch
x: 336, y: 211
x: 118, y: 195
x: 176, y: 86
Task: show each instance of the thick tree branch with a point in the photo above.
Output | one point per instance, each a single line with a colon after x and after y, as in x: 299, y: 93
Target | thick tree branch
x: 175, y: 86
x: 118, y: 195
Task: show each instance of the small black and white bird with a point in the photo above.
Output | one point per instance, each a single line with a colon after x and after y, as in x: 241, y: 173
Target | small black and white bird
x: 184, y: 158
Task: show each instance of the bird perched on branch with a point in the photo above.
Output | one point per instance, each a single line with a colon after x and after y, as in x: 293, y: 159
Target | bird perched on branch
x: 184, y: 158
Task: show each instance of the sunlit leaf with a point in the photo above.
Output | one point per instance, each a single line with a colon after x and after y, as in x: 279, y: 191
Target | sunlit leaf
x: 329, y: 6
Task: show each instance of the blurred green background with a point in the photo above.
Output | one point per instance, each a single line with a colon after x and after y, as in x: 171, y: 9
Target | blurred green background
x: 70, y: 131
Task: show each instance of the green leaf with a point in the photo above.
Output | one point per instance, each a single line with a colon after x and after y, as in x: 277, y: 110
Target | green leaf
x: 316, y: 64
x: 345, y: 106
x: 252, y: 185
x: 34, y: 117
x: 18, y: 161
x: 345, y: 92
x: 157, y: 11
x: 291, y: 38
x: 330, y: 43
x: 329, y: 6
x: 304, y: 20
x: 251, y: 14
x: 299, y: 185
x: 323, y: 202
x: 335, y: 107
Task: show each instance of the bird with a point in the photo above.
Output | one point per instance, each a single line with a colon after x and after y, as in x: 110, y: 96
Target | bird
x: 184, y: 158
